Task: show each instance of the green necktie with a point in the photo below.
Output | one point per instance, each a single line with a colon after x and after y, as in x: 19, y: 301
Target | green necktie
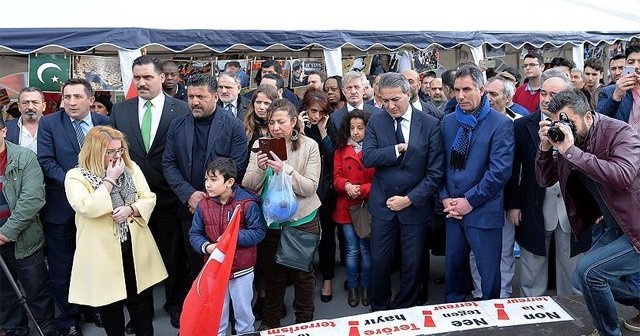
x: 145, y: 128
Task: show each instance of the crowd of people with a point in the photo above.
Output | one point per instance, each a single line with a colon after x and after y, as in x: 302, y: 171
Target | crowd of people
x: 98, y: 207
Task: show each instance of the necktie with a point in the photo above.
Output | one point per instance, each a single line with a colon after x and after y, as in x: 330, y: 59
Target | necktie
x: 229, y: 108
x: 399, y: 135
x: 145, y: 128
x: 79, y: 134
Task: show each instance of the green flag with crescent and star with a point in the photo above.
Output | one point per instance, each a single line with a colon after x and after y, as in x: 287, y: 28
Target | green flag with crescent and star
x: 47, y: 72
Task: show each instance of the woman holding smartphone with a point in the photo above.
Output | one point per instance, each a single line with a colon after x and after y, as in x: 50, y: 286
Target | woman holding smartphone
x: 116, y: 261
x: 303, y: 166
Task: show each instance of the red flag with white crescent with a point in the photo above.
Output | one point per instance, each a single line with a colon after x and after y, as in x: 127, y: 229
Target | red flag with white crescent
x: 202, y: 308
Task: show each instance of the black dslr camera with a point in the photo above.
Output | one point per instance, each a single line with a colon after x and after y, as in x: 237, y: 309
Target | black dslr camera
x: 555, y: 134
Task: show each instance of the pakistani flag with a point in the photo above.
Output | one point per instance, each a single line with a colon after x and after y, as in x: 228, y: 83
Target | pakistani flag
x: 48, y: 72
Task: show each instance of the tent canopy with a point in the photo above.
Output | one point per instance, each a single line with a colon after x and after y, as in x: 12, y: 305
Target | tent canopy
x: 81, y: 26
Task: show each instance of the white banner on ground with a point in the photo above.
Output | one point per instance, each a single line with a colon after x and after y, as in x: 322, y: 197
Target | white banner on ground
x: 434, y: 319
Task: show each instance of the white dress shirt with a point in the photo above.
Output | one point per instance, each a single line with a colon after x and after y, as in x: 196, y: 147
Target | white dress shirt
x: 406, y: 126
x: 156, y: 112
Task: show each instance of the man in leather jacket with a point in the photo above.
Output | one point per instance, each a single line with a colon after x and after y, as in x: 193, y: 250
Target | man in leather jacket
x: 597, y: 164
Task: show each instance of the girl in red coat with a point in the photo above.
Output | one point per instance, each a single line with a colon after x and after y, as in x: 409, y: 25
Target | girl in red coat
x: 352, y: 181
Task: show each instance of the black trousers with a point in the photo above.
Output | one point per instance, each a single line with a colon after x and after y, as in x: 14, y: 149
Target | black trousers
x: 139, y: 305
x: 327, y: 247
x: 32, y: 274
x: 167, y: 231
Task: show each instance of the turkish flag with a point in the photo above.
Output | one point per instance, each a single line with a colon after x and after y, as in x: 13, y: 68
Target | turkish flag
x: 202, y: 307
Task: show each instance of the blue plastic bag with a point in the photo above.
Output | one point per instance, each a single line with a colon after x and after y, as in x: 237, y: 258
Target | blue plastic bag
x: 280, y: 203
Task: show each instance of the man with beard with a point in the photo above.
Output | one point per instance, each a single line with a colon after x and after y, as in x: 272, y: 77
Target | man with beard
x: 145, y: 120
x: 229, y: 93
x: 24, y: 130
x: 598, y: 168
x: 171, y: 84
x: 194, y: 140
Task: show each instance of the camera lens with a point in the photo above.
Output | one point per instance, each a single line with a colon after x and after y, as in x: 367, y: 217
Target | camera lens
x: 555, y: 134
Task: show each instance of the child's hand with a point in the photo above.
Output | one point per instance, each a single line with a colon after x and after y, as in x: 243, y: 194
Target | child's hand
x: 210, y: 248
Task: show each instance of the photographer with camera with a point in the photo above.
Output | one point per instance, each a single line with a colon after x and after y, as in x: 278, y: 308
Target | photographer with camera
x: 597, y: 167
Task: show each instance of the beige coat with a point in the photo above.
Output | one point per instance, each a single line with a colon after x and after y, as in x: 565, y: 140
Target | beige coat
x: 97, y: 275
x: 304, y: 167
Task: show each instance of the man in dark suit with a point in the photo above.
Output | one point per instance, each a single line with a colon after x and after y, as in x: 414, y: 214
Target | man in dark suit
x: 478, y: 144
x: 60, y: 138
x: 405, y: 146
x: 193, y: 141
x: 273, y: 67
x: 229, y: 95
x: 353, y: 86
x: 24, y: 130
x: 539, y: 213
x: 414, y: 80
x: 146, y: 131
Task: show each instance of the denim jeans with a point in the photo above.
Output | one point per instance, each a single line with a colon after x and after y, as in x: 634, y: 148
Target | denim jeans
x: 356, y: 248
x: 598, y: 276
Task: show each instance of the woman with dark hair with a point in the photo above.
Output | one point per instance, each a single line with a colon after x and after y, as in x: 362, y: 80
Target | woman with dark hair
x: 255, y: 120
x: 303, y: 166
x: 313, y: 119
x: 333, y: 88
x: 352, y: 181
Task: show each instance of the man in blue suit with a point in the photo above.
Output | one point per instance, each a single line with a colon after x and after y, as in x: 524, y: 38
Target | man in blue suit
x: 194, y: 140
x: 620, y: 98
x: 405, y: 146
x: 60, y: 137
x: 478, y: 145
x: 353, y: 87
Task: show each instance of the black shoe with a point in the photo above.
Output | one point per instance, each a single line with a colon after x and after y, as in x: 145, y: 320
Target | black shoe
x: 353, y: 297
x: 326, y: 298
x: 73, y: 331
x: 366, y: 296
x: 175, y: 319
x: 423, y: 294
x: 257, y: 308
x: 94, y: 318
x: 128, y: 329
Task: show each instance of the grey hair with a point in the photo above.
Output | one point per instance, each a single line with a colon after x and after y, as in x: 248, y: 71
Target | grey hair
x: 394, y: 80
x: 474, y: 72
x: 556, y: 72
x: 574, y: 99
x: 509, y: 89
x: 354, y: 75
x: 231, y: 75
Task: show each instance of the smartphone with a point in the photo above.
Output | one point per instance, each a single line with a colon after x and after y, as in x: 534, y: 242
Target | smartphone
x: 276, y: 145
x: 629, y: 70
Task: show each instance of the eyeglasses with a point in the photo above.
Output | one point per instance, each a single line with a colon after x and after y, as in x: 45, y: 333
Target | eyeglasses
x: 530, y: 65
x: 113, y: 152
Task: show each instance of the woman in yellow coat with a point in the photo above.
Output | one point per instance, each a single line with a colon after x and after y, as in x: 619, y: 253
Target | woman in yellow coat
x: 116, y: 261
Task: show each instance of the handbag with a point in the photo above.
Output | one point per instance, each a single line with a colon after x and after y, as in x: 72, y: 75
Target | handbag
x: 297, y: 248
x: 361, y: 219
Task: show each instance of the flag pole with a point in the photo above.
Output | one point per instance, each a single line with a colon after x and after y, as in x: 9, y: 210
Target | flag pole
x: 21, y: 299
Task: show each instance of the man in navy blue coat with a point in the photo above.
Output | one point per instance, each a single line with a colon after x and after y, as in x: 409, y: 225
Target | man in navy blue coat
x: 58, y: 148
x: 353, y: 87
x: 617, y: 101
x: 478, y: 145
x: 405, y: 146
x: 193, y: 141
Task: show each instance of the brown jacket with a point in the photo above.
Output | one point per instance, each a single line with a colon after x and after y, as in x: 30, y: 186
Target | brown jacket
x: 614, y: 168
x: 304, y: 167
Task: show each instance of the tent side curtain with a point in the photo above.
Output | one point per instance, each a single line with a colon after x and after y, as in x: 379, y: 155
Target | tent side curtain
x: 81, y: 40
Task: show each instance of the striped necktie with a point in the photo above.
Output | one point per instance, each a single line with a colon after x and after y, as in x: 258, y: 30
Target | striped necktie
x: 77, y: 125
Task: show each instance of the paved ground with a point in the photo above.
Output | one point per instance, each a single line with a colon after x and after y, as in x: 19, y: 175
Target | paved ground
x: 338, y: 307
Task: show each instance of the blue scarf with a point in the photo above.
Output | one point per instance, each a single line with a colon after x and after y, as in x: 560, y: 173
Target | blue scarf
x: 463, y: 138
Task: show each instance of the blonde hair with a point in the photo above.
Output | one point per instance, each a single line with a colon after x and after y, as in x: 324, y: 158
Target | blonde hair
x: 92, y: 154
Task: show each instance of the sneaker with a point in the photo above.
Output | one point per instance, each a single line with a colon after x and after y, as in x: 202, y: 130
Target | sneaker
x: 633, y: 324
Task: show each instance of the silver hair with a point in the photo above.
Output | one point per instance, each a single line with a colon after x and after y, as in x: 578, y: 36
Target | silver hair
x: 231, y: 75
x: 556, y: 72
x: 354, y: 75
x: 509, y: 89
x: 394, y: 80
x: 474, y: 72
